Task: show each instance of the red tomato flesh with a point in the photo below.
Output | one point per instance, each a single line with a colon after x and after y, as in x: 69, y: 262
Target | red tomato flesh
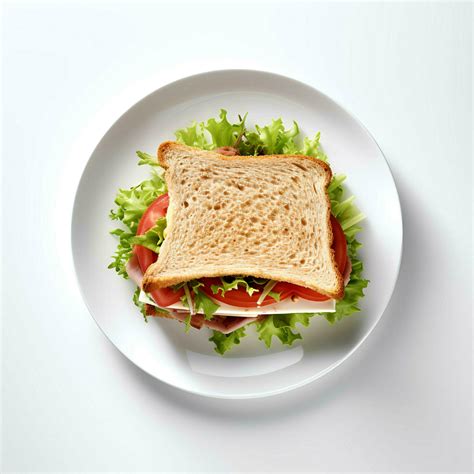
x: 156, y: 210
x: 339, y: 244
x: 239, y: 297
x: 163, y: 296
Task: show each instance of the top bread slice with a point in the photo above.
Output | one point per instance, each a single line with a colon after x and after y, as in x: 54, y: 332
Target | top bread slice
x: 263, y: 216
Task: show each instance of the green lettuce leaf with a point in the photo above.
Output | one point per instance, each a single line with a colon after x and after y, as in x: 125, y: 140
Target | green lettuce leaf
x: 225, y: 342
x: 224, y: 133
x: 139, y: 304
x: 270, y: 139
x: 205, y: 304
x: 280, y: 326
x: 194, y: 135
x: 233, y: 284
x: 344, y: 210
x: 130, y: 206
x: 202, y: 303
x: 132, y: 203
x: 353, y: 292
x: 313, y: 148
x: 219, y: 132
x: 147, y: 159
x: 123, y: 251
x: 276, y: 296
x: 152, y: 238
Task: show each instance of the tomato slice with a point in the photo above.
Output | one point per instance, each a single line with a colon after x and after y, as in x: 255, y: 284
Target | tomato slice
x: 239, y: 297
x: 302, y: 292
x: 163, y: 296
x: 166, y: 296
x: 156, y: 210
x: 339, y: 244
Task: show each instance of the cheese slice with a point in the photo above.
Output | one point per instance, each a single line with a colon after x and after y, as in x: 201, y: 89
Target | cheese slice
x: 283, y: 307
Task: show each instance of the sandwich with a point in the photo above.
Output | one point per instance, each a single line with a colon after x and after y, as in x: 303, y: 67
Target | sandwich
x: 235, y: 233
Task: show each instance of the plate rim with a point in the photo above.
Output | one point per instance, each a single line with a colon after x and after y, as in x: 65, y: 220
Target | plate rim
x: 307, y: 380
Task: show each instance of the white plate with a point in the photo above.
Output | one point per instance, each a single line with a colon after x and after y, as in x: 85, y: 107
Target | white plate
x: 161, y: 348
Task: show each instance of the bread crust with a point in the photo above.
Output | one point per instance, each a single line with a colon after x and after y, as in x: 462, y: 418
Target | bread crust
x: 169, y: 145
x: 151, y: 281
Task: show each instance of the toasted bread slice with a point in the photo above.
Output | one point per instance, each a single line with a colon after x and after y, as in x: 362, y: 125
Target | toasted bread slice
x: 265, y: 216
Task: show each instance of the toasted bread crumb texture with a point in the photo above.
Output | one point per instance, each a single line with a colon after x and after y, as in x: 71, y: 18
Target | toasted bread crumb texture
x: 265, y: 216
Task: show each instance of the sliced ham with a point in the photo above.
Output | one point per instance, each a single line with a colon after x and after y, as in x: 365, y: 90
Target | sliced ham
x: 347, y: 271
x: 134, y: 271
x: 228, y: 324
x: 150, y: 310
x: 222, y: 324
x: 227, y: 151
x: 197, y: 320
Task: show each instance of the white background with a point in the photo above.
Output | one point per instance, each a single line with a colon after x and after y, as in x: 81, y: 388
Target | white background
x: 401, y: 403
